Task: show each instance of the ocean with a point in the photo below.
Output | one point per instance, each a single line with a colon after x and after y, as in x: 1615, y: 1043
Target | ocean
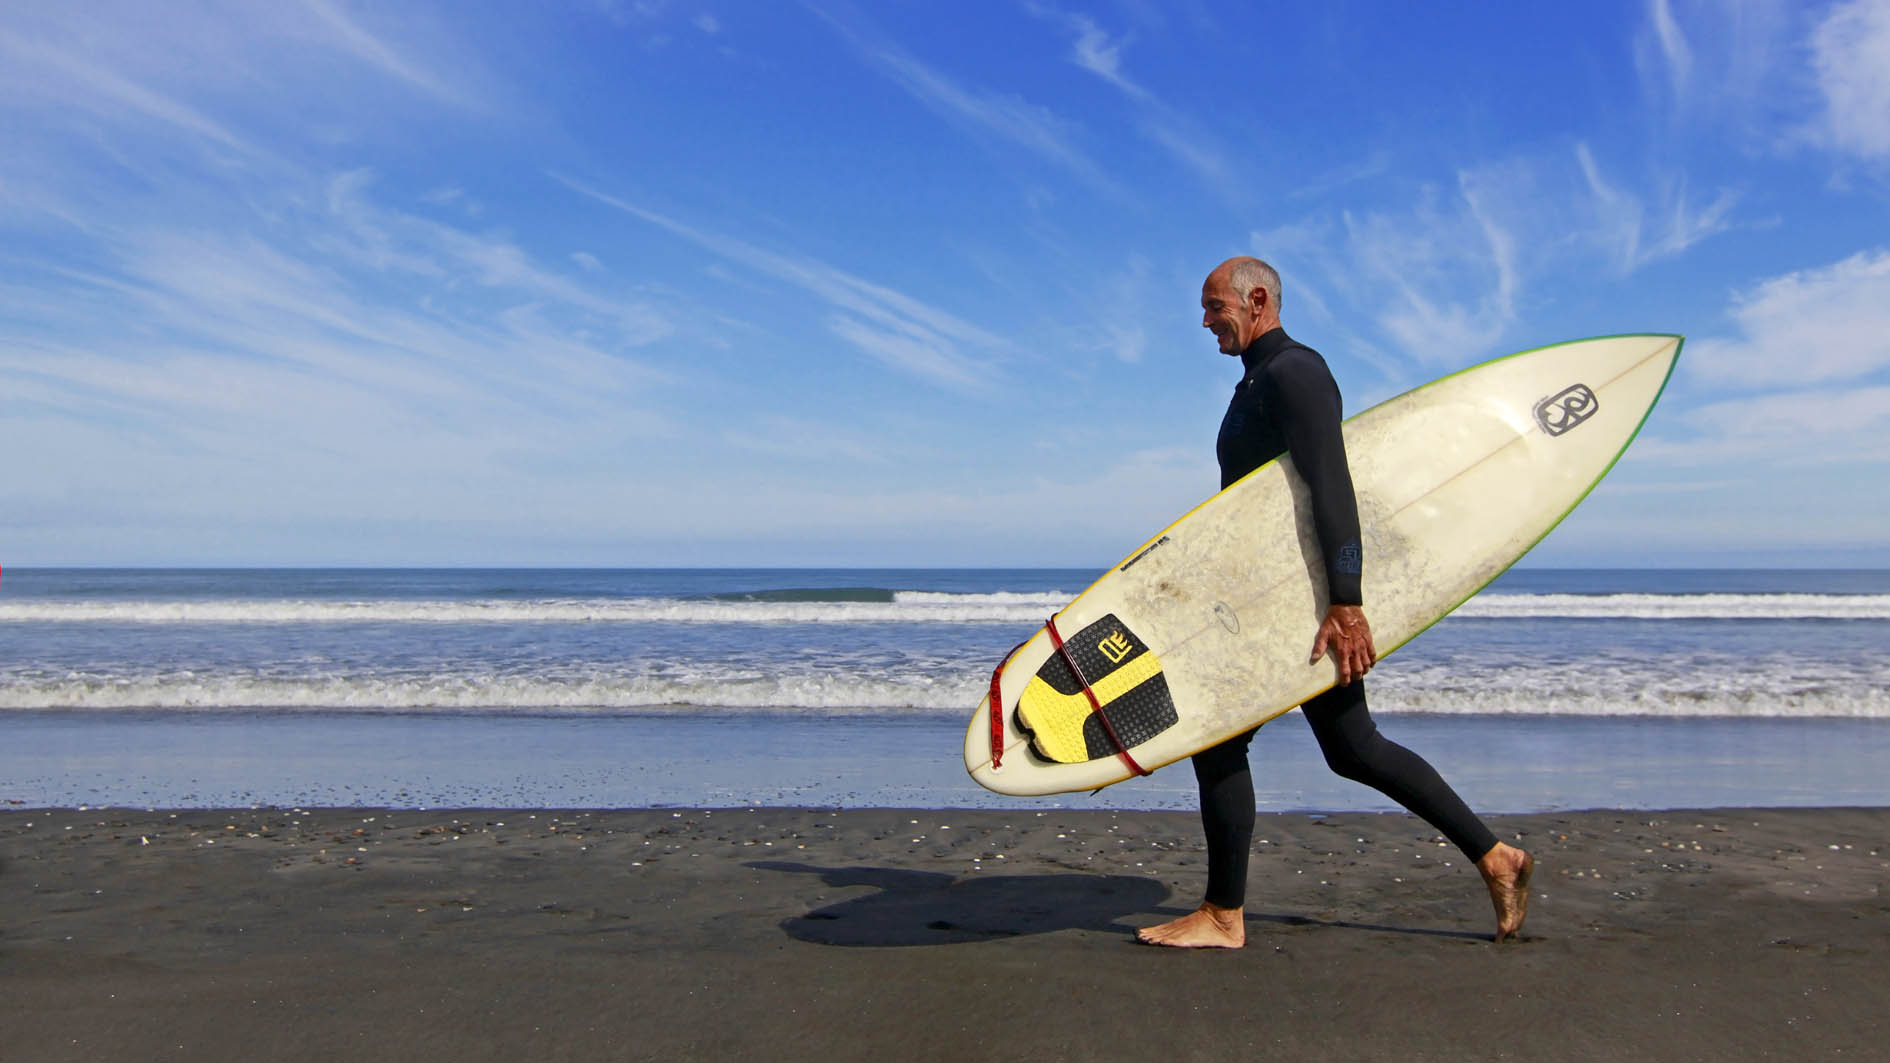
x: 558, y: 688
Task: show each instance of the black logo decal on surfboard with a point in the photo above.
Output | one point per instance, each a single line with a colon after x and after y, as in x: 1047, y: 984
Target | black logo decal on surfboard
x: 1566, y: 408
x: 1144, y: 552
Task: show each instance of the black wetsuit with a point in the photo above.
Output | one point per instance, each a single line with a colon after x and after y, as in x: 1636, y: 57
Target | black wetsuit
x: 1289, y: 403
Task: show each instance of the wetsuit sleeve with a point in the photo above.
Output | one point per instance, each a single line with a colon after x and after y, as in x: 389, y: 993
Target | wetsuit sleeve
x: 1308, y: 408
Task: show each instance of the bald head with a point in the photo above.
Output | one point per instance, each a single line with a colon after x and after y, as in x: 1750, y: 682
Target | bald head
x: 1240, y: 302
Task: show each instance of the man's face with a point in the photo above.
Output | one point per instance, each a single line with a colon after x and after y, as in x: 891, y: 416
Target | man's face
x: 1230, y: 316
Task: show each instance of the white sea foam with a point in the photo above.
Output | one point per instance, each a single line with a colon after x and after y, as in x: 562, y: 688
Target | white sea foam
x: 1681, y: 606
x: 1757, y: 689
x: 905, y: 607
x: 1545, y: 692
x: 815, y: 694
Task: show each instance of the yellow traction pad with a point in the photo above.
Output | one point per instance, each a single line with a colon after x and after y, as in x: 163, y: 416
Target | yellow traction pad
x: 1126, y: 678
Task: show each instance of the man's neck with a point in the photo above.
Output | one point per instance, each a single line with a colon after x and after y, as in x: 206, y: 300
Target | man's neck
x: 1268, y: 341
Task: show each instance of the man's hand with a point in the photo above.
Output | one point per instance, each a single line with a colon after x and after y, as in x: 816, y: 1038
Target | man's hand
x: 1347, y: 633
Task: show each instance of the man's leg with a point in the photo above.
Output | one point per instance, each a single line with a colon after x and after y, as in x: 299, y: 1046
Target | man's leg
x: 1227, y: 817
x: 1355, y: 750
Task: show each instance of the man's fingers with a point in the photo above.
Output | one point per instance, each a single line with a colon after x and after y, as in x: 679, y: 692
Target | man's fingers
x: 1352, y: 649
x: 1347, y: 634
x: 1358, y: 660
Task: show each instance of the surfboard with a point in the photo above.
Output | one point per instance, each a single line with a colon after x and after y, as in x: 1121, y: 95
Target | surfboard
x: 1204, y: 630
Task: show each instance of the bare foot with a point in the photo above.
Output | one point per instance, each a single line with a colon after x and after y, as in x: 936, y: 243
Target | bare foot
x: 1506, y: 870
x: 1207, y: 927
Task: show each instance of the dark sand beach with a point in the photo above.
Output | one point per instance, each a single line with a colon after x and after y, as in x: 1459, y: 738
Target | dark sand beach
x: 361, y: 934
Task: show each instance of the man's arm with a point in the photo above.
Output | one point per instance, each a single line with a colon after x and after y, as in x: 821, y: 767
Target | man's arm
x: 1309, y: 410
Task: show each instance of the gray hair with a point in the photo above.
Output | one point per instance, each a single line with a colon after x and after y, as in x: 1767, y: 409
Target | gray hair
x: 1251, y: 273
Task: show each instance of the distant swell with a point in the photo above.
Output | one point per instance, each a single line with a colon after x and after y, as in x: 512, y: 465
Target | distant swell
x: 868, y: 606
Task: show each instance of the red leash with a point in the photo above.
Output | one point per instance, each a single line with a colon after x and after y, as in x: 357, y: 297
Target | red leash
x: 997, y: 708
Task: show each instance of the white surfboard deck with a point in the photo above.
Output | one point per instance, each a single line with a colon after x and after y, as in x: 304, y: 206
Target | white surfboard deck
x: 1455, y: 481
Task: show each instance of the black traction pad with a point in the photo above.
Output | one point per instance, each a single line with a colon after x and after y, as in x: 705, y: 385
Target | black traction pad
x: 1127, y: 679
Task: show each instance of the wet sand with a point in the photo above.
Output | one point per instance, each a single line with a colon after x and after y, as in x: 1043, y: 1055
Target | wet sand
x: 362, y: 934
x: 168, y: 759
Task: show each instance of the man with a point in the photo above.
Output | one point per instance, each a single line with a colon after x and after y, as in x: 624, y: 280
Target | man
x: 1288, y: 403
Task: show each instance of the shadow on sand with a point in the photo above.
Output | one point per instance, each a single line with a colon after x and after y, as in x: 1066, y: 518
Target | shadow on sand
x: 933, y: 908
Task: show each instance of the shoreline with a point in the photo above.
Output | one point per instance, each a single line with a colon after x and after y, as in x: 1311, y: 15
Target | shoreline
x: 860, y: 933
x: 1498, y: 763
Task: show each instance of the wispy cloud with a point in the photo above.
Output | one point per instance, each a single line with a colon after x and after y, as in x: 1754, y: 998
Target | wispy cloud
x: 1664, y: 35
x: 1851, y: 58
x: 1720, y: 64
x: 1799, y: 429
x: 349, y: 36
x: 113, y: 105
x: 1301, y: 250
x: 1087, y: 509
x: 806, y: 441
x: 1375, y: 164
x: 1119, y: 315
x: 1447, y: 275
x: 1807, y: 327
x: 1449, y: 268
x: 982, y: 113
x: 388, y: 240
x: 61, y: 79
x: 1094, y: 50
x: 904, y: 344
x: 1637, y: 235
x: 892, y: 327
x: 1415, y: 276
x: 345, y: 357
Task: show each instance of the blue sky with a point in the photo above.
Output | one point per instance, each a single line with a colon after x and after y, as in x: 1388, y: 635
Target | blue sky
x: 699, y: 283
